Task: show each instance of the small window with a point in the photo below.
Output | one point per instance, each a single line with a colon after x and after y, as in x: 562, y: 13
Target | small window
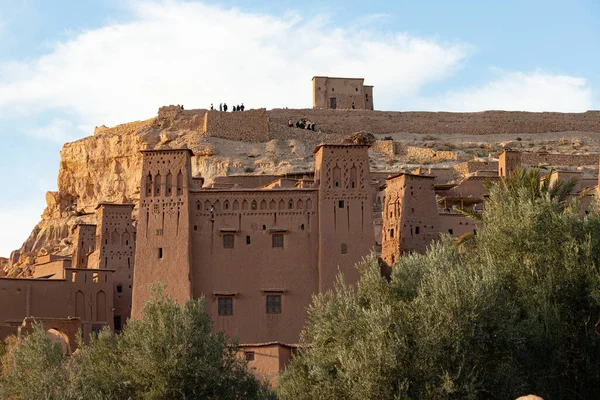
x: 195, y: 227
x: 249, y: 355
x: 291, y: 204
x: 278, y: 240
x: 264, y: 227
x: 341, y: 204
x: 228, y: 241
x: 254, y: 205
x: 117, y: 320
x: 274, y: 304
x: 159, y: 232
x: 160, y: 252
x: 450, y: 231
x: 417, y: 230
x: 344, y: 248
x: 225, y: 305
x: 302, y: 227
x: 391, y: 233
x: 119, y: 288
x: 247, y: 239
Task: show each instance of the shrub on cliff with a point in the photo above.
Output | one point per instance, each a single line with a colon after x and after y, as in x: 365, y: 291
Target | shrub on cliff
x: 514, y: 310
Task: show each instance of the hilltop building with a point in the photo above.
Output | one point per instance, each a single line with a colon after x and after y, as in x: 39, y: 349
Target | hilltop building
x: 341, y: 93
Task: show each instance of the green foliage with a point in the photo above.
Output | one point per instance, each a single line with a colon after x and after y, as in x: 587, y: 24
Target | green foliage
x: 170, y: 353
x: 31, y: 369
x: 514, y: 310
x: 96, y: 370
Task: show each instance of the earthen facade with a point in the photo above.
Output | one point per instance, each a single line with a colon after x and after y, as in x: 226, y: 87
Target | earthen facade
x: 341, y: 93
x: 234, y: 246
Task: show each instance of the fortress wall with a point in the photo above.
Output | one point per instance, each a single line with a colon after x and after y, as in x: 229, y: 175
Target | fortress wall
x: 574, y: 160
x: 248, y: 126
x: 422, y: 152
x: 345, y: 122
x: 469, y: 167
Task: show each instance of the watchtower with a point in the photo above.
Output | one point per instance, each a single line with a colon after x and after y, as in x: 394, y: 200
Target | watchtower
x: 163, y: 247
x: 345, y: 210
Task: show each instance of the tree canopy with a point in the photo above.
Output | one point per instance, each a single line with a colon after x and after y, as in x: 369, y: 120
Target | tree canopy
x: 515, y: 310
x: 170, y: 353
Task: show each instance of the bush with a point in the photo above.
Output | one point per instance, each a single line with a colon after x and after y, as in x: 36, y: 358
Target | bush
x: 513, y: 310
x: 170, y: 353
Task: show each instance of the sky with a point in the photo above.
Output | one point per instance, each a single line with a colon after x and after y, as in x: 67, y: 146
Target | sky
x: 68, y: 66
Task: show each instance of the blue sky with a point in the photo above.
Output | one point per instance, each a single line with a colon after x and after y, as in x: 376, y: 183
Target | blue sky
x: 67, y: 66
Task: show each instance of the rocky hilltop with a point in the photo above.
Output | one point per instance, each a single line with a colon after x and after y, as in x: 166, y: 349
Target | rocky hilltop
x: 107, y: 165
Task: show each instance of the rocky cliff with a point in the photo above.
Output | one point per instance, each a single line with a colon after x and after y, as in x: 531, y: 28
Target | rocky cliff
x: 107, y: 165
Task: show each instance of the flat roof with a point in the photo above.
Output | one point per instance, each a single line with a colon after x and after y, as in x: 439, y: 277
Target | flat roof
x: 166, y: 150
x: 338, y: 145
x: 250, y: 190
x: 264, y: 344
x: 337, y: 77
x: 409, y: 174
x: 106, y: 203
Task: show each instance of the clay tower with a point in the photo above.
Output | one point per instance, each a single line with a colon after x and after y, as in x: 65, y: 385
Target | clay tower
x: 163, y: 247
x: 345, y: 212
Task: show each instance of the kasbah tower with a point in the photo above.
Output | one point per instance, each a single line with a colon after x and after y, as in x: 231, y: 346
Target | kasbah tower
x: 256, y: 255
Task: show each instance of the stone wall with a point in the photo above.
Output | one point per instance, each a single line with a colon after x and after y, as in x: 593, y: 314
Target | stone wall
x: 574, y: 160
x: 420, y: 153
x: 469, y: 167
x: 247, y: 126
x: 345, y: 122
x: 392, y: 148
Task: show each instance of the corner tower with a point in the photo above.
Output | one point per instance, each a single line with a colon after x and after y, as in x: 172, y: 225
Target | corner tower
x: 508, y: 161
x: 85, y: 240
x: 345, y: 211
x: 115, y: 244
x: 163, y: 247
x: 410, y: 216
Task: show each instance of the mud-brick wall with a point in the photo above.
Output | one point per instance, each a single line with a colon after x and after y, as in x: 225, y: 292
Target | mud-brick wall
x: 422, y: 152
x: 574, y: 160
x: 247, y: 126
x: 345, y: 122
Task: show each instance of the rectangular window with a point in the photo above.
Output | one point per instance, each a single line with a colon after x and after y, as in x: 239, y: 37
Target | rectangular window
x: 341, y: 204
x: 247, y: 239
x: 117, y: 320
x: 228, y: 241
x: 249, y: 355
x: 274, y: 304
x: 417, y: 230
x: 278, y: 240
x: 160, y: 252
x: 225, y: 305
x: 450, y: 231
x: 344, y: 248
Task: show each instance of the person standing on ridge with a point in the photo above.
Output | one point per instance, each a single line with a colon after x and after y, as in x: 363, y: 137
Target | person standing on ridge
x: 225, y: 107
x: 220, y: 106
x: 211, y: 106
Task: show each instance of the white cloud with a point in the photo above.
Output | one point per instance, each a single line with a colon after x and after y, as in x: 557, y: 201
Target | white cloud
x: 60, y: 130
x: 17, y: 222
x: 194, y: 54
x: 518, y: 91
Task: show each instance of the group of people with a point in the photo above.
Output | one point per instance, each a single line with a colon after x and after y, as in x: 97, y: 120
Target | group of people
x: 302, y: 124
x: 224, y: 107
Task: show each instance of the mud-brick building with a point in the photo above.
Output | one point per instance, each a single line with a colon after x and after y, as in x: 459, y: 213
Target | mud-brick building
x: 341, y: 93
x: 257, y: 255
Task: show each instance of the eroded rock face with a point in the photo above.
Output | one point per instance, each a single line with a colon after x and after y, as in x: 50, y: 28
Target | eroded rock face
x: 107, y: 165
